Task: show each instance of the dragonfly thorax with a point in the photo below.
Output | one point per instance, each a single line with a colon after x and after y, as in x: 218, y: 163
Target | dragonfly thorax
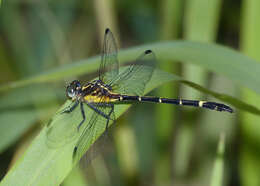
x: 100, y: 84
x: 95, y: 88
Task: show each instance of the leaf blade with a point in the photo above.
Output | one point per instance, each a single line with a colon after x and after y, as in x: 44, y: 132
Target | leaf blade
x: 216, y: 58
x: 42, y: 165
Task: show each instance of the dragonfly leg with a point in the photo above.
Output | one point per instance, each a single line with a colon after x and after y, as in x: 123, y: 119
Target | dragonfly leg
x: 98, y: 111
x: 109, y: 114
x: 69, y: 109
x: 83, y: 115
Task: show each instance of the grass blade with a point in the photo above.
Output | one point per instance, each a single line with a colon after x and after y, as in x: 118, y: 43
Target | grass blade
x: 216, y: 58
x: 218, y: 170
x: 250, y: 43
x: 44, y: 165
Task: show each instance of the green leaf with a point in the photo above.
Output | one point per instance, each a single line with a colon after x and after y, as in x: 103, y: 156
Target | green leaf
x: 18, y: 114
x: 216, y: 58
x: 249, y: 130
x: 228, y: 99
x: 13, y: 125
x: 44, y: 164
x: 11, y: 133
x: 26, y: 97
x: 16, y: 119
x: 213, y: 57
x: 218, y: 170
x: 76, y: 177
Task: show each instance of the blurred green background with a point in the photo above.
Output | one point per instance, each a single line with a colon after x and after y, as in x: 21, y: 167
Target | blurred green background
x: 177, y: 146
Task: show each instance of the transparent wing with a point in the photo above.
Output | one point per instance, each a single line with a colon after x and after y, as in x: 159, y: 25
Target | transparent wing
x: 109, y: 63
x: 60, y: 135
x: 94, y: 129
x: 86, y: 138
x: 133, y: 80
x: 62, y: 129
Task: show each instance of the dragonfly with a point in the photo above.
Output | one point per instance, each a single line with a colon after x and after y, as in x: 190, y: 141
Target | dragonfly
x: 113, y: 87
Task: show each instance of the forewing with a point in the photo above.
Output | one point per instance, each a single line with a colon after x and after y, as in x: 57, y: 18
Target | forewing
x: 62, y: 132
x: 133, y: 80
x: 95, y: 127
x: 109, y: 62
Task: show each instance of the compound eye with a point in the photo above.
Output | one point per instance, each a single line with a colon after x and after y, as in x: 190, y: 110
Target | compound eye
x: 71, y: 91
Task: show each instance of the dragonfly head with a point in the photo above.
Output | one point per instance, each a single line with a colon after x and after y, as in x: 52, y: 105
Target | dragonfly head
x: 73, y: 89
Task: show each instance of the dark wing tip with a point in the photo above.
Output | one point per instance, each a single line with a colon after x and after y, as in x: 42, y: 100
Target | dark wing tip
x: 107, y: 30
x: 75, y: 151
x: 148, y: 51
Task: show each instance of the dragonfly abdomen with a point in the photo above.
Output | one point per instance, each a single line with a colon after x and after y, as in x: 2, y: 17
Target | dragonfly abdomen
x: 184, y: 102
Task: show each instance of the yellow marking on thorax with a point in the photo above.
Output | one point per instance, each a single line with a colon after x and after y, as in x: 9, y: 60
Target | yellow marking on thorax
x: 180, y: 103
x: 160, y: 100
x: 85, y: 87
